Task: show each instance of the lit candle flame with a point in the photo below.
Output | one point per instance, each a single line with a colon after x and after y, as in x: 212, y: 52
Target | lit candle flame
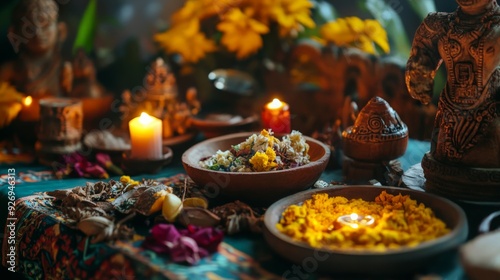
x: 355, y: 221
x: 27, y: 101
x: 145, y: 119
x: 275, y: 104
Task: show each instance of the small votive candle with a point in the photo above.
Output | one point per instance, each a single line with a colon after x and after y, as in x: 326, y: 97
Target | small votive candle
x: 29, y: 112
x: 276, y: 116
x: 145, y: 137
x: 355, y: 221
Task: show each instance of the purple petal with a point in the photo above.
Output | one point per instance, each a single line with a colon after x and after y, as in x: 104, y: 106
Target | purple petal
x: 165, y: 232
x: 206, y: 237
x: 186, y: 250
x: 103, y: 159
x: 162, y: 238
x: 159, y: 247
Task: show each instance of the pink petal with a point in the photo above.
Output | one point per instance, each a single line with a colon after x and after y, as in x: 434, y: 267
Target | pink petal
x: 162, y: 238
x: 103, y: 159
x: 206, y: 237
x: 186, y: 250
x: 165, y: 232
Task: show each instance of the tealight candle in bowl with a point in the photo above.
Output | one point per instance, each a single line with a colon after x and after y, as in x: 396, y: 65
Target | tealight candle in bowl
x: 276, y: 116
x: 355, y: 221
x: 147, y: 153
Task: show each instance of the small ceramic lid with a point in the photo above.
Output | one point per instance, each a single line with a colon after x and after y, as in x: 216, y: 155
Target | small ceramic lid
x: 377, y: 122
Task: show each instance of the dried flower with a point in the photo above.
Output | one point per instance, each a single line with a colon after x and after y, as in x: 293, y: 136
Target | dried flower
x: 90, y: 170
x: 261, y: 152
x: 189, y: 245
x: 207, y: 238
x: 105, y: 161
x: 77, y: 164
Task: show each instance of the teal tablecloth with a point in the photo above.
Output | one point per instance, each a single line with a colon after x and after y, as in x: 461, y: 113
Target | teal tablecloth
x: 244, y: 255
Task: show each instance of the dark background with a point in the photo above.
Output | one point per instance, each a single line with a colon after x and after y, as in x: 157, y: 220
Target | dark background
x: 124, y: 45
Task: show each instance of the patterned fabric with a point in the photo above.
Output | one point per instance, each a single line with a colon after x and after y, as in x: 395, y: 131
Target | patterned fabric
x: 49, y: 247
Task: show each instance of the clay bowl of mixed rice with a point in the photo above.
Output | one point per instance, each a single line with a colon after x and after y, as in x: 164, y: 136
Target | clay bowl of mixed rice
x: 255, y: 167
x: 394, y: 231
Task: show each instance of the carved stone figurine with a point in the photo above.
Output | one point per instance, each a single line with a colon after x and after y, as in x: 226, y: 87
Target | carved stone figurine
x: 160, y: 99
x: 36, y: 36
x: 464, y: 160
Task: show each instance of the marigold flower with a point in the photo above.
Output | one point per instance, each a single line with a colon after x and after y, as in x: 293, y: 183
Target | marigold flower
x: 291, y: 15
x: 399, y: 221
x: 354, y: 32
x: 241, y: 32
x: 187, y: 40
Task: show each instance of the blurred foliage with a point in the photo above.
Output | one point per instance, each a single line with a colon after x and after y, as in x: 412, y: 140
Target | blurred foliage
x: 87, y: 28
x: 423, y: 7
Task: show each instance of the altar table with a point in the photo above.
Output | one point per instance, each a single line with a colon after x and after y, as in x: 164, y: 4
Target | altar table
x: 46, y: 248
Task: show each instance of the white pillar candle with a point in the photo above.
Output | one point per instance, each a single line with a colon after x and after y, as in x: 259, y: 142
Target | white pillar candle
x: 145, y: 137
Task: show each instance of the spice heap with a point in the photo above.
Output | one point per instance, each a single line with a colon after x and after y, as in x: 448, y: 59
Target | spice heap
x: 261, y: 152
x: 398, y: 221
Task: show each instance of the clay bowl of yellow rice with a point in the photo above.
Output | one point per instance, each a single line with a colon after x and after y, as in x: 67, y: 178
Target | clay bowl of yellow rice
x: 259, y: 188
x: 407, y: 230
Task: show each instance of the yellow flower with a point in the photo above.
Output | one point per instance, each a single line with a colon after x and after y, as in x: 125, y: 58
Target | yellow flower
x: 377, y: 34
x: 128, y: 182
x: 242, y: 33
x: 354, y: 32
x: 186, y: 40
x: 270, y: 137
x: 271, y: 156
x: 259, y: 161
x: 291, y: 15
x: 264, y: 161
x: 343, y: 31
x: 191, y: 9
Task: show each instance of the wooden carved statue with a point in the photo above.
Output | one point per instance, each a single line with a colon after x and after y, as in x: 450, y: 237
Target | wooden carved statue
x: 464, y: 161
x: 36, y: 36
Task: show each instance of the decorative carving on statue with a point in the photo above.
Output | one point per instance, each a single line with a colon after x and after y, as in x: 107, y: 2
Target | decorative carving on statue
x: 467, y: 125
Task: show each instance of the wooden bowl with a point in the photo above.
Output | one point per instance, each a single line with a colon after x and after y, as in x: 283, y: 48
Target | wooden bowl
x: 405, y: 260
x: 256, y: 188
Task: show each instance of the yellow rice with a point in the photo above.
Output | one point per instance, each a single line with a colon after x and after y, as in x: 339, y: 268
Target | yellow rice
x: 399, y: 221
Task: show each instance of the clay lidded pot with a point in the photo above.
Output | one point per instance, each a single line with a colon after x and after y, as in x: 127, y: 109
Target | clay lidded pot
x: 378, y: 134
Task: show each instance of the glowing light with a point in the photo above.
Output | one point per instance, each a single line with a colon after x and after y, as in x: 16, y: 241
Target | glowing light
x: 27, y: 101
x: 275, y: 104
x: 355, y: 221
x: 145, y: 119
